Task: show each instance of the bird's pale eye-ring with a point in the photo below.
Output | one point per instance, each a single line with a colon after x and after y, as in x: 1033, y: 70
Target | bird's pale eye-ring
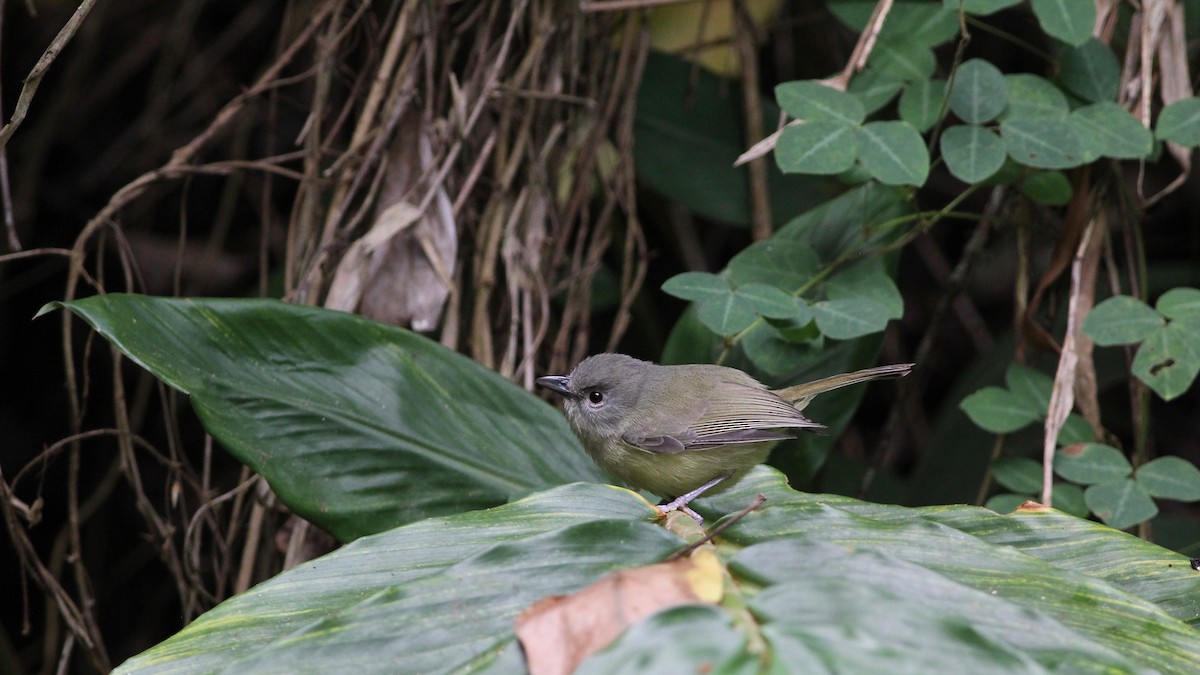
x: 596, y: 397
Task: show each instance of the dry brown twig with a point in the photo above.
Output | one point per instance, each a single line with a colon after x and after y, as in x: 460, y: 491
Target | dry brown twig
x: 527, y: 132
x: 856, y: 62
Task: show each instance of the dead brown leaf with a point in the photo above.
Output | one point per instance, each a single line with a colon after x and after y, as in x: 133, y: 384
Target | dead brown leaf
x: 559, y: 632
x: 1062, y: 396
x: 401, y: 271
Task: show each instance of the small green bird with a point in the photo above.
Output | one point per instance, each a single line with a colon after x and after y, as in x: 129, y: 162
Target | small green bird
x: 678, y: 431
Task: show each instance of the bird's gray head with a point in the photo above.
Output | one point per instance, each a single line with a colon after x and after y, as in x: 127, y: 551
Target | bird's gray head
x: 600, y: 392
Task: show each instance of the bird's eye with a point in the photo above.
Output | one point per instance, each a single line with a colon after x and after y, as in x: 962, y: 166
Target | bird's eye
x: 596, y: 397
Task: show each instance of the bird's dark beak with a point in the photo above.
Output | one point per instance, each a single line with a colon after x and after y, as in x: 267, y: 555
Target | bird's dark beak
x: 558, y: 384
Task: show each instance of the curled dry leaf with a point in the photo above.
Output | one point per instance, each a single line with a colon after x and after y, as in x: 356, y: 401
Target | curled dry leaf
x: 559, y: 632
x: 402, y: 270
x: 1062, y: 395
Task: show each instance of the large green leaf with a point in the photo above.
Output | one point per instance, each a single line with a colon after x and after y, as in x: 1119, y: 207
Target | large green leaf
x: 473, y: 571
x: 357, y: 426
x: 821, y: 583
x: 1096, y: 588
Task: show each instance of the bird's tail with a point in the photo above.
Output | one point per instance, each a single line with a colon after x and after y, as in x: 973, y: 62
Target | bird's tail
x: 801, y: 394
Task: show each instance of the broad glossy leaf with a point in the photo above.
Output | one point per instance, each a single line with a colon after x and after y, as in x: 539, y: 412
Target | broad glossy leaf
x: 432, y: 596
x: 830, y: 583
x: 835, y: 606
x: 686, y: 639
x: 357, y: 426
x: 1131, y: 564
x: 954, y: 560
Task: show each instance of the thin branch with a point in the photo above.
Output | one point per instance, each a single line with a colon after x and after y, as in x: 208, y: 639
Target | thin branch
x: 41, y: 67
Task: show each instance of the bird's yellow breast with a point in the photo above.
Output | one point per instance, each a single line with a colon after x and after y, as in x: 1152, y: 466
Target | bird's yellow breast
x: 671, y: 475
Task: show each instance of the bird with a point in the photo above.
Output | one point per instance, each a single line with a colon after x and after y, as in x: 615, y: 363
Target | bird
x: 681, y: 431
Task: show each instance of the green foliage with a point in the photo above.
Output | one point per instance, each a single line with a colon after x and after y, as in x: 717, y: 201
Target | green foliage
x: 1168, y: 356
x: 978, y: 94
x: 814, y: 102
x: 921, y: 103
x: 1104, y: 481
x: 1180, y: 123
x: 996, y: 127
x: 1090, y: 70
x: 777, y: 299
x: 962, y: 586
x: 343, y: 415
x: 1091, y: 463
x: 1066, y: 20
x: 441, y: 593
x: 1021, y: 116
x: 1049, y: 188
x: 972, y: 153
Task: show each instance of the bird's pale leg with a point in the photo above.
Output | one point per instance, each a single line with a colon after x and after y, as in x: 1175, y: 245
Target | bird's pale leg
x: 681, y: 502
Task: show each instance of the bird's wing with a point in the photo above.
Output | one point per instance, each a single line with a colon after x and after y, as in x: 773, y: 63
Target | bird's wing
x: 736, y: 413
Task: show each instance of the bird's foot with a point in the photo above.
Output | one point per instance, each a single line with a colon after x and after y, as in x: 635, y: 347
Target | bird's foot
x: 681, y: 502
